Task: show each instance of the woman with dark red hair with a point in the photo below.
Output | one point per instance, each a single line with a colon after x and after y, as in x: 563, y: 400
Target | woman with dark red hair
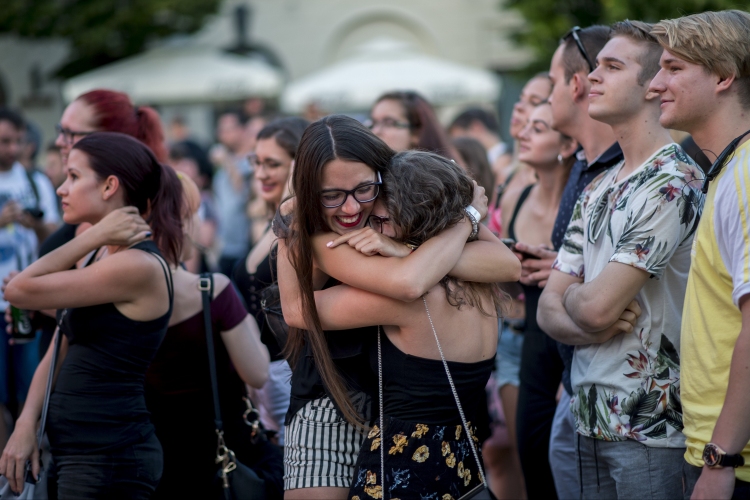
x: 109, y: 111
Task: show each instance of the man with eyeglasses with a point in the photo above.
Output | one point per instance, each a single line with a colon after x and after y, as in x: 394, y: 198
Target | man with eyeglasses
x: 28, y: 210
x: 546, y: 434
x: 704, y: 86
x: 619, y: 281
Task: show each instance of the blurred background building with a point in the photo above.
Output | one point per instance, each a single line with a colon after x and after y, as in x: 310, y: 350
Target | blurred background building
x: 297, y: 56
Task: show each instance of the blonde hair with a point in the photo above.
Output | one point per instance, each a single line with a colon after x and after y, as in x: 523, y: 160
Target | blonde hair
x: 718, y: 41
x: 191, y: 196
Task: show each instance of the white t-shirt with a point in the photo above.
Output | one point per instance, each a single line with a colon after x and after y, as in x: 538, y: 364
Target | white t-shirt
x: 628, y: 387
x: 19, y: 245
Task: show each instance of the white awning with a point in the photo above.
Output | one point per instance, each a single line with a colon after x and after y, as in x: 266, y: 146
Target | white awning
x: 384, y: 65
x: 182, y: 74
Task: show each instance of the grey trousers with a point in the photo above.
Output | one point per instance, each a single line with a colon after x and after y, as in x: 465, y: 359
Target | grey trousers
x: 562, y: 451
x: 628, y: 469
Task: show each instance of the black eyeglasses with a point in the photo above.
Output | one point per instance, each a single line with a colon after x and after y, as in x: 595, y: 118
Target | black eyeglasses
x: 721, y: 160
x: 574, y: 33
x: 376, y: 222
x: 334, y: 198
x: 69, y: 135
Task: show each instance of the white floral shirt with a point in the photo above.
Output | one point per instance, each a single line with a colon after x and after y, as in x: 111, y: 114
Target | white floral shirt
x: 628, y: 387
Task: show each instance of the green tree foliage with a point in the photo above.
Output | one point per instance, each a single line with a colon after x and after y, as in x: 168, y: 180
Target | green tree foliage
x: 102, y: 31
x: 548, y: 20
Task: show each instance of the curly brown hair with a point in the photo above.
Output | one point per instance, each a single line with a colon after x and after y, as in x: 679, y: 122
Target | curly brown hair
x: 426, y: 194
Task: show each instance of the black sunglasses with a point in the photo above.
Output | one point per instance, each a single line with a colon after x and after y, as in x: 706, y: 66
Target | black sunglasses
x: 719, y: 163
x: 574, y: 33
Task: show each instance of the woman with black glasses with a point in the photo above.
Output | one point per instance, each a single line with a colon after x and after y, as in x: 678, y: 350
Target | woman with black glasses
x: 338, y: 176
x: 273, y: 160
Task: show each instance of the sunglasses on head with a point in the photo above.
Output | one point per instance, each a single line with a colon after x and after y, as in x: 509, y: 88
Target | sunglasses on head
x: 574, y: 33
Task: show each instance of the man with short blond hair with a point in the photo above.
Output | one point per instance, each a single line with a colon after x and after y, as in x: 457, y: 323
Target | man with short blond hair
x: 704, y: 85
x: 619, y: 281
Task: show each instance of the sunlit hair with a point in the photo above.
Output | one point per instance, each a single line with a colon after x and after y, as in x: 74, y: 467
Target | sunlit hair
x: 640, y: 33
x: 191, y: 196
x: 426, y: 194
x: 718, y: 41
x: 330, y: 138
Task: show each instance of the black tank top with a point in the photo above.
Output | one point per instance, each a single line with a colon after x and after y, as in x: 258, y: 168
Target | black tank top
x: 250, y: 285
x: 417, y: 389
x: 349, y: 354
x: 531, y: 293
x: 98, y: 402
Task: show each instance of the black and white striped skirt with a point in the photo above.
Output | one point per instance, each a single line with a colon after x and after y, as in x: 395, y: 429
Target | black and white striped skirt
x: 321, y: 448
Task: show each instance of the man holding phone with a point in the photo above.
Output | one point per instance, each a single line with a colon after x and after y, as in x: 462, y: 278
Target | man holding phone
x: 28, y: 208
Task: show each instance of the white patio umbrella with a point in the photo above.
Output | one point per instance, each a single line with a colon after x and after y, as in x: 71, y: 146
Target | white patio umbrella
x: 182, y: 74
x: 383, y: 65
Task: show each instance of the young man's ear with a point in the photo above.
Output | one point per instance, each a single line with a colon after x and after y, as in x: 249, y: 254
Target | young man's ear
x: 723, y: 84
x: 579, y: 86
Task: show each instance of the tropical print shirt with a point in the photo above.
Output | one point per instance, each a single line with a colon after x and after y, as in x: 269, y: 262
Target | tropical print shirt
x: 628, y: 387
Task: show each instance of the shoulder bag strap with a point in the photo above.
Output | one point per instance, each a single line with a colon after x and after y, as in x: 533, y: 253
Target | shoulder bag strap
x: 455, y: 396
x: 206, y: 286
x: 50, y: 378
x: 32, y: 183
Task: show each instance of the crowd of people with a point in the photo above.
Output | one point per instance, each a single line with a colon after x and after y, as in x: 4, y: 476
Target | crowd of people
x: 394, y: 309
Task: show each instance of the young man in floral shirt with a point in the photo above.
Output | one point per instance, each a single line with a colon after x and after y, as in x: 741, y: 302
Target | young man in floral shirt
x: 704, y: 85
x: 625, y: 261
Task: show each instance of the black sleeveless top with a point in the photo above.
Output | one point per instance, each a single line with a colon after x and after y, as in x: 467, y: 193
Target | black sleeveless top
x: 531, y: 293
x: 250, y: 285
x: 98, y: 402
x: 417, y: 389
x: 347, y: 348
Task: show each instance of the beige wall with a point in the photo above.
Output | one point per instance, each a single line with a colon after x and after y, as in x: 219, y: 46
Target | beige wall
x: 310, y: 34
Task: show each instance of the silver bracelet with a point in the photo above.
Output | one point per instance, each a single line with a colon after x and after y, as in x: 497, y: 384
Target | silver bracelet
x: 473, y: 215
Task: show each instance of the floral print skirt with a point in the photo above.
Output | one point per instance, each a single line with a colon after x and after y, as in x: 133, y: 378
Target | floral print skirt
x: 422, y: 462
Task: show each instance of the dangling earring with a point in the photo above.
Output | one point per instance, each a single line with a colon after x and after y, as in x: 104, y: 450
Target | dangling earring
x: 559, y: 159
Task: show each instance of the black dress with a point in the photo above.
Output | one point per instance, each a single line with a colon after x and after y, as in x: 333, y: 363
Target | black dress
x: 98, y: 405
x: 250, y: 285
x: 540, y: 378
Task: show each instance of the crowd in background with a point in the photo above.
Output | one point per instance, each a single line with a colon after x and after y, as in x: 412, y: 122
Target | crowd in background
x: 617, y: 332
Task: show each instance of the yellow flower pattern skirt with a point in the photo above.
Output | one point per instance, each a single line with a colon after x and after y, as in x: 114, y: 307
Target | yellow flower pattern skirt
x: 422, y: 462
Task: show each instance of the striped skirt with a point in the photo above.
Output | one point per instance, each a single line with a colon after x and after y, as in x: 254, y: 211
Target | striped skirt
x: 321, y: 448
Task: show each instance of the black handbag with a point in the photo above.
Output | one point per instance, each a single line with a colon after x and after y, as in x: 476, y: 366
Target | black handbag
x: 235, y: 480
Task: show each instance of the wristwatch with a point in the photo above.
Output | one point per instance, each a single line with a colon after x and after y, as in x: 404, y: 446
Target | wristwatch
x: 473, y: 215
x: 716, y: 458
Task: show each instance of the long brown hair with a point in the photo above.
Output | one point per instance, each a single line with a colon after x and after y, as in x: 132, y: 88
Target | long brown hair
x: 333, y: 137
x: 426, y: 194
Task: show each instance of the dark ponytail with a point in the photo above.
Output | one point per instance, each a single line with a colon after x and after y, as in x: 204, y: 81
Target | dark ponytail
x: 165, y: 217
x: 149, y: 186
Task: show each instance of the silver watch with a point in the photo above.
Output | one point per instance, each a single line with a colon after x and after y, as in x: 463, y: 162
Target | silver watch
x: 473, y: 215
